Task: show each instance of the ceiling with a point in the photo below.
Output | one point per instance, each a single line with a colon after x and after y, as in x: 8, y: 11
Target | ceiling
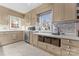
x: 21, y: 7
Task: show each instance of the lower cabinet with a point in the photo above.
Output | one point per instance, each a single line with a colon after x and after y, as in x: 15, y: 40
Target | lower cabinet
x: 20, y: 35
x: 74, y: 54
x: 10, y: 37
x: 67, y: 47
x: 74, y: 46
x: 5, y: 38
x: 52, y: 45
x: 31, y: 38
x: 54, y: 49
x: 35, y: 40
x: 42, y: 45
x: 65, y: 52
x: 70, y: 47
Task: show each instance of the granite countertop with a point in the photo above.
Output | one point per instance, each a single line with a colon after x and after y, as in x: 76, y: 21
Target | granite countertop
x: 58, y: 36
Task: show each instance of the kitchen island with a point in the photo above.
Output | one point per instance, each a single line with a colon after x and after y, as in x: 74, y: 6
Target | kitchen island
x: 56, y: 44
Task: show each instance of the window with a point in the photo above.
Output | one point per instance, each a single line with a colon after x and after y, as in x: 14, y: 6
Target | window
x: 45, y: 21
x: 15, y: 22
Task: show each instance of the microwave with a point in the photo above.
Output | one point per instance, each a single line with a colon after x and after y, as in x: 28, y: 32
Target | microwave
x: 31, y: 28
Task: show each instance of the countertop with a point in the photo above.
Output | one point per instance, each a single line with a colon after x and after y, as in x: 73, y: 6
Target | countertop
x: 58, y: 36
x: 10, y: 30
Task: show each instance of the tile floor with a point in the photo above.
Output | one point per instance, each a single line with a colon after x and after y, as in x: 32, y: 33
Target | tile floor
x: 21, y: 49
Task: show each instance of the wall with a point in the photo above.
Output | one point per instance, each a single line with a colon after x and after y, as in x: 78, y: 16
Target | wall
x: 4, y: 12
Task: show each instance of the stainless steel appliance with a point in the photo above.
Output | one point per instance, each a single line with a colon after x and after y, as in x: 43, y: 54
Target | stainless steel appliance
x: 27, y: 33
x: 27, y: 36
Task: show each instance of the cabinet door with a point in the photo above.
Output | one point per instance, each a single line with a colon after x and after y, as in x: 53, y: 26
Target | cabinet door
x: 70, y: 11
x: 14, y: 36
x: 33, y: 17
x: 74, y: 54
x: 65, y: 52
x: 54, y: 49
x: 6, y: 38
x: 65, y: 47
x: 74, y: 43
x: 42, y: 45
x: 4, y: 19
x: 31, y: 38
x: 74, y: 46
x: 28, y: 19
x: 35, y: 40
x: 58, y: 10
x: 20, y: 35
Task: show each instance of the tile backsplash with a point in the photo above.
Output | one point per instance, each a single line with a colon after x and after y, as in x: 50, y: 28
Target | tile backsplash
x: 68, y: 28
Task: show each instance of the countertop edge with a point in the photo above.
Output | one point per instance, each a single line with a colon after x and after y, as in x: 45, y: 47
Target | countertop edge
x: 58, y: 36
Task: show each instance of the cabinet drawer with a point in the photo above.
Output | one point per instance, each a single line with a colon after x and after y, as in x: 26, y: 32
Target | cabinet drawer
x: 42, y: 45
x: 65, y: 52
x: 74, y: 54
x: 74, y: 49
x: 65, y: 41
x: 66, y: 47
x: 74, y: 43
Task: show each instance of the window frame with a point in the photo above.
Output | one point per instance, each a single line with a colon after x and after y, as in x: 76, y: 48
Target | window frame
x: 51, y: 21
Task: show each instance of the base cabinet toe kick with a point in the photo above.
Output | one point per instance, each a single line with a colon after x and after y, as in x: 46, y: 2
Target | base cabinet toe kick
x: 57, y: 46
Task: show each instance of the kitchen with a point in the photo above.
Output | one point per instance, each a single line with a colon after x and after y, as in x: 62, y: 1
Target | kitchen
x: 51, y: 27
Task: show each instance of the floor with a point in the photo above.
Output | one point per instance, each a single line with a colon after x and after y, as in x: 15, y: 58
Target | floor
x: 22, y: 49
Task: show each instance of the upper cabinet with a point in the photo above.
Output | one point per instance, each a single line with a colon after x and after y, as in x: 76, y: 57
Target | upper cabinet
x: 27, y: 18
x: 4, y: 19
x: 58, y: 12
x: 70, y: 11
x: 64, y: 11
x: 33, y: 17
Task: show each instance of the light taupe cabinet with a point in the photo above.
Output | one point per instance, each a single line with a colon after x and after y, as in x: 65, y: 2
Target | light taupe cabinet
x: 42, y: 45
x: 70, y: 47
x: 70, y: 11
x: 33, y: 39
x: 58, y: 11
x: 10, y: 37
x: 74, y: 46
x: 64, y: 11
x: 65, y: 48
x: 54, y: 49
x: 4, y: 19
